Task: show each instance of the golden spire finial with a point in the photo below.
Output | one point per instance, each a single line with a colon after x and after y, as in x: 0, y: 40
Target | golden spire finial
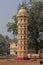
x: 23, y: 5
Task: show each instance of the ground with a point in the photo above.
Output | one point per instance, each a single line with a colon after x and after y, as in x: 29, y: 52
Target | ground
x: 19, y: 62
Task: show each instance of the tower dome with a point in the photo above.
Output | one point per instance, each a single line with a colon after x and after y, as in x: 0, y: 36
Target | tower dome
x: 22, y: 12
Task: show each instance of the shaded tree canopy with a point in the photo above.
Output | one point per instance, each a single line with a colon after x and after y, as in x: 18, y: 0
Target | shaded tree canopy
x: 4, y: 44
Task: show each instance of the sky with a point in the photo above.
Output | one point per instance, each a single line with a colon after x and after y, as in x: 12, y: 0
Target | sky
x: 8, y: 8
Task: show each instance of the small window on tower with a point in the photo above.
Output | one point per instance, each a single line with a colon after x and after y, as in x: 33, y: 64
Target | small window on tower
x: 21, y: 31
x: 24, y: 31
x: 24, y: 26
x: 24, y: 37
x: 21, y: 47
x: 21, y: 26
x: 24, y: 20
x: 21, y: 42
x: 24, y: 47
x: 24, y: 42
x: 21, y: 37
x: 21, y: 19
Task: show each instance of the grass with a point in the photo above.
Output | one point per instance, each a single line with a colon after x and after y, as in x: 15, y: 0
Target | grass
x: 6, y: 57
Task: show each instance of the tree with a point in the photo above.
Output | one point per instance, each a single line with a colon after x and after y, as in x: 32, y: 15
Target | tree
x: 7, y: 41
x: 41, y: 44
x: 34, y: 23
x: 4, y: 44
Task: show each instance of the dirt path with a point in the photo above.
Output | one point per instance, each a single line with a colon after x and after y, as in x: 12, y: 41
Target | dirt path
x: 19, y: 62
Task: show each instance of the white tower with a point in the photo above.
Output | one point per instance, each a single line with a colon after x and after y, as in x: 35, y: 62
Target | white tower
x: 22, y: 17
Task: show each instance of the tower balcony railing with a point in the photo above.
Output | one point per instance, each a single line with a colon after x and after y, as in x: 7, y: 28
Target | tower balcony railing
x: 22, y: 23
x: 22, y: 38
x: 23, y: 44
x: 22, y: 50
x: 19, y: 33
x: 24, y: 28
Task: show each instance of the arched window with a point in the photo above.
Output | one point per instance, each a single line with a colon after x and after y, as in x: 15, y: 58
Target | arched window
x: 21, y: 31
x: 21, y: 19
x: 21, y: 37
x: 24, y: 31
x: 24, y: 47
x: 24, y: 37
x: 24, y: 20
x: 21, y: 47
x: 24, y: 42
x: 24, y: 26
x: 21, y: 42
x: 21, y: 26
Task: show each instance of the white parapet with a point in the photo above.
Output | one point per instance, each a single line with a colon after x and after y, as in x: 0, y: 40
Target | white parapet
x: 33, y: 55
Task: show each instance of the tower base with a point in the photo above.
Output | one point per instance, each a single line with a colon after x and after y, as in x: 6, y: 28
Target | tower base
x: 22, y: 58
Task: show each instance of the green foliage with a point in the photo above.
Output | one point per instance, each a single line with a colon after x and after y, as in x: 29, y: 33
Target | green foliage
x: 12, y: 27
x: 4, y: 44
x: 34, y: 23
x: 41, y: 44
